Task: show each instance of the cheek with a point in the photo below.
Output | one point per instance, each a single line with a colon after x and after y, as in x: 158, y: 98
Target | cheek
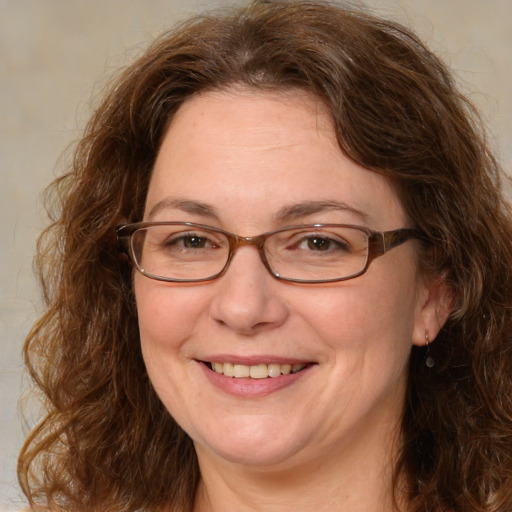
x: 166, y: 314
x: 366, y: 317
x: 167, y: 317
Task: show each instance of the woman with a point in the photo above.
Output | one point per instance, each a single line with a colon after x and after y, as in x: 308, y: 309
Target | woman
x: 311, y: 309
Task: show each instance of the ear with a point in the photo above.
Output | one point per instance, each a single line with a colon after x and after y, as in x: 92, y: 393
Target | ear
x: 434, y: 306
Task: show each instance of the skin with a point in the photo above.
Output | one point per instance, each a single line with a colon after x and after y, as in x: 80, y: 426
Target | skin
x: 332, y: 434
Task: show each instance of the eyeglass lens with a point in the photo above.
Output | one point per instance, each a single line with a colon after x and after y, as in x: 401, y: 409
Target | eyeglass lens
x: 183, y: 252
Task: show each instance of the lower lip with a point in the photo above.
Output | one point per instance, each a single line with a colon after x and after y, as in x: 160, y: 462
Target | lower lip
x: 252, y: 388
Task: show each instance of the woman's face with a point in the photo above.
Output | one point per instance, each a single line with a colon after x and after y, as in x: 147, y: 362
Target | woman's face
x: 250, y: 162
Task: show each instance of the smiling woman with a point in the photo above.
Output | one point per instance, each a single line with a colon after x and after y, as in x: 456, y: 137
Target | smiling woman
x: 291, y: 314
x: 247, y: 144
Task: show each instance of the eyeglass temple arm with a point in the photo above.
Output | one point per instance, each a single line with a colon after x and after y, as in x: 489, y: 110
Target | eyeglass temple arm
x: 383, y: 242
x: 123, y: 238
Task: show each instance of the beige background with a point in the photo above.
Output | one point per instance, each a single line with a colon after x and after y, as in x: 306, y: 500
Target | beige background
x: 54, y: 56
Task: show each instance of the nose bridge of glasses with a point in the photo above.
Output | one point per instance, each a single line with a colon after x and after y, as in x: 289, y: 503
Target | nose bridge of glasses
x: 258, y: 241
x: 236, y: 241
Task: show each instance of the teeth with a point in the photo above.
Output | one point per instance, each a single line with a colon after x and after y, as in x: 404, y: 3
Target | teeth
x: 240, y: 371
x: 227, y: 369
x: 286, y: 369
x: 259, y: 371
x: 274, y: 370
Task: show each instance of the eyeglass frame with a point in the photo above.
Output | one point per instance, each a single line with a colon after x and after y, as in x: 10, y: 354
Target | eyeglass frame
x: 379, y: 243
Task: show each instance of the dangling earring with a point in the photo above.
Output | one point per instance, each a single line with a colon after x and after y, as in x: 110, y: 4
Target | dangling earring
x: 429, y: 360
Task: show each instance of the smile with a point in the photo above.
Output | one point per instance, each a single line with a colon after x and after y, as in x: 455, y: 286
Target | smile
x: 258, y: 371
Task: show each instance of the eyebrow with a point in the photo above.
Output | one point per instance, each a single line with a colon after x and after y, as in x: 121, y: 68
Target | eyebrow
x: 288, y: 213
x: 187, y: 206
x: 295, y: 211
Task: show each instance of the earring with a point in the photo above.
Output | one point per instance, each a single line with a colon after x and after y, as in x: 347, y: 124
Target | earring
x: 429, y: 360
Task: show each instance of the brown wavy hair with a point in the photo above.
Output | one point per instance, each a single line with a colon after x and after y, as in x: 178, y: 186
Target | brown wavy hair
x: 107, y: 443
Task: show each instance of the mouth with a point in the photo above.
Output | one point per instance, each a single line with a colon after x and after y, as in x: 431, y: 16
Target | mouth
x: 258, y: 371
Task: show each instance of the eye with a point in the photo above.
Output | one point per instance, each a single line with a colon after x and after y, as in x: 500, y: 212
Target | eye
x: 194, y: 241
x: 322, y: 243
x: 316, y: 243
x: 191, y: 241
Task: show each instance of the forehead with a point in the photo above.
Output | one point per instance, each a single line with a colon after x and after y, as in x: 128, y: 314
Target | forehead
x: 244, y: 117
x: 251, y: 153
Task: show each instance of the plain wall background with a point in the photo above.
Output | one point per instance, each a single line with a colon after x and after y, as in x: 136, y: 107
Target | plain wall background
x: 54, y: 57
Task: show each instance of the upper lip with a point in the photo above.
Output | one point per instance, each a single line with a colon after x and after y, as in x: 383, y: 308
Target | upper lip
x: 253, y: 360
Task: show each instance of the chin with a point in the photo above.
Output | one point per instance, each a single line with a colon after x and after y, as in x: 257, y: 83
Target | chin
x: 254, y: 446
x: 250, y: 455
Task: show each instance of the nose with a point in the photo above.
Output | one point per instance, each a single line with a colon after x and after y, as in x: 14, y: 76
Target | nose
x: 247, y: 298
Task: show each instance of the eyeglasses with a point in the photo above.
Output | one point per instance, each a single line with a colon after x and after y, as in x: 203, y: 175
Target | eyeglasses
x: 314, y: 253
